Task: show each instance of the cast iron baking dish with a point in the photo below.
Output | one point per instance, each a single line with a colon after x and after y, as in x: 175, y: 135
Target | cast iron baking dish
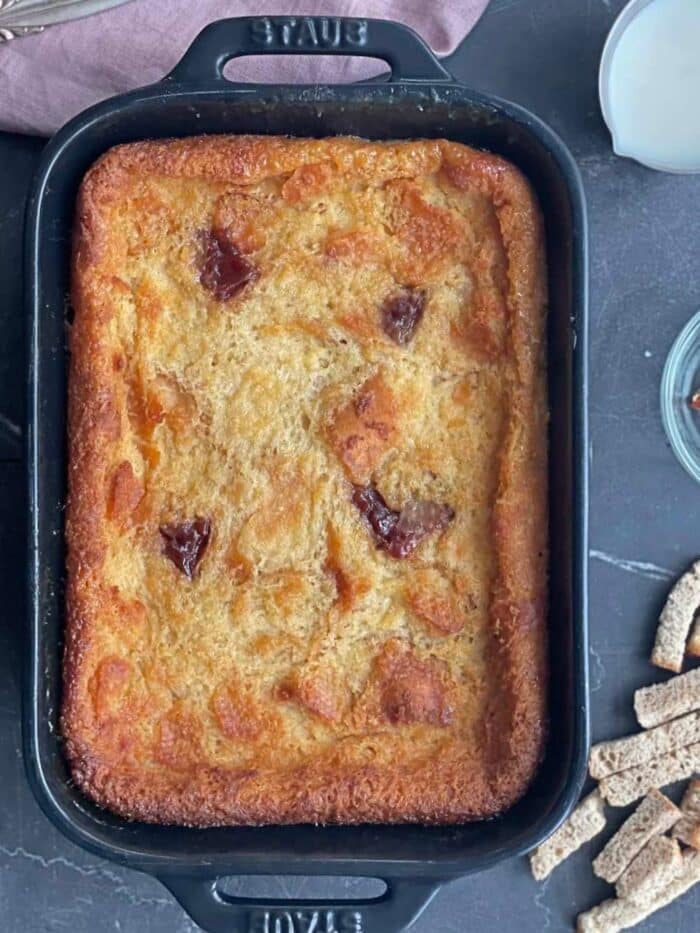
x: 420, y: 99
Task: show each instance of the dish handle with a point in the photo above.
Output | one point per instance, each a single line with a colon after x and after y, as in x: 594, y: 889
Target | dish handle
x: 216, y: 912
x: 408, y: 56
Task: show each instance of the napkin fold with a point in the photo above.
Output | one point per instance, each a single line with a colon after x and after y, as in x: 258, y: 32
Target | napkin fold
x: 49, y: 77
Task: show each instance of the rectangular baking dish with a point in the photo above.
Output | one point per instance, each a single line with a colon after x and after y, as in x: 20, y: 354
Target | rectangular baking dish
x: 420, y: 99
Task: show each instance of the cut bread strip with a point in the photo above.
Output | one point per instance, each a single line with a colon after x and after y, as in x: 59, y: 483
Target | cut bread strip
x: 693, y: 646
x: 675, y: 621
x: 687, y: 830
x: 586, y: 821
x: 634, y: 750
x: 654, y: 815
x: 690, y: 804
x: 662, y: 702
x: 625, y: 787
x: 653, y: 869
x: 614, y: 915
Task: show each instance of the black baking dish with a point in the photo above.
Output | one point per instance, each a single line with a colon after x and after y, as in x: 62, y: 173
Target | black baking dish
x: 419, y: 100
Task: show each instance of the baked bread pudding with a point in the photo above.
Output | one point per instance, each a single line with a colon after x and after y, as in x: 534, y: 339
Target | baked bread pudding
x: 306, y: 521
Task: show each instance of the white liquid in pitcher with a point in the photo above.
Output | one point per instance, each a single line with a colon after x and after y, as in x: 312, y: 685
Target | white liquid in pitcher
x: 654, y: 86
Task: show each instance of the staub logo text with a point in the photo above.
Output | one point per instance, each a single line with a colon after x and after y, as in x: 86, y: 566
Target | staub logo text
x: 309, y: 32
x: 305, y: 921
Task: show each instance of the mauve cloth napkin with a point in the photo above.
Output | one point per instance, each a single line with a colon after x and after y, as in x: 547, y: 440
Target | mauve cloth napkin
x: 48, y: 78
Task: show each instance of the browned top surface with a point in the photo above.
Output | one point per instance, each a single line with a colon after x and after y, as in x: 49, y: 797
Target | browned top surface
x: 235, y: 366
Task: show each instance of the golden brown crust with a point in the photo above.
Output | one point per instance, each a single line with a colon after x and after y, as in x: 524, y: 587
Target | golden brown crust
x: 363, y: 429
x: 518, y: 608
x: 301, y: 674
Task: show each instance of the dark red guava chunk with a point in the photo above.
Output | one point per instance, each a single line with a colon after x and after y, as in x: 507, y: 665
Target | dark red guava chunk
x: 225, y: 270
x: 401, y: 314
x: 185, y: 543
x: 400, y: 533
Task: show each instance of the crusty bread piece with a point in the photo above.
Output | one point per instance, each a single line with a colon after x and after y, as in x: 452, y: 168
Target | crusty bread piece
x: 613, y: 915
x: 654, y: 815
x: 625, y: 787
x: 687, y: 830
x: 690, y: 804
x: 620, y: 754
x: 662, y: 702
x: 675, y: 621
x: 693, y: 646
x: 650, y: 871
x: 586, y: 821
